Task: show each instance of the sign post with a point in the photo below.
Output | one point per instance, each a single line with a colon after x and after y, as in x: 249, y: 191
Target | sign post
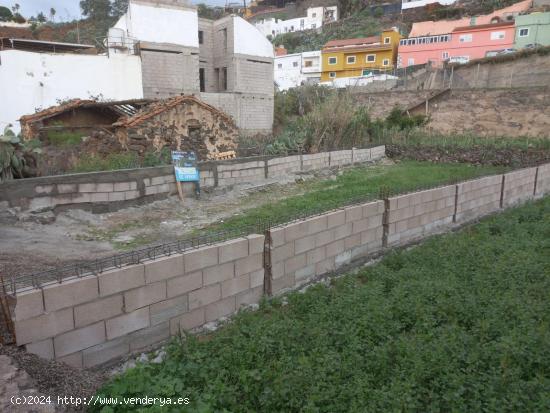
x: 185, y: 169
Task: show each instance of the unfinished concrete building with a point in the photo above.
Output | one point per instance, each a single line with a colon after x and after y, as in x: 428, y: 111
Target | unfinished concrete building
x: 228, y: 62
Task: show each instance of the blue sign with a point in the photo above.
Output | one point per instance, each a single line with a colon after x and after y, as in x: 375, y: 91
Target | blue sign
x: 185, y: 166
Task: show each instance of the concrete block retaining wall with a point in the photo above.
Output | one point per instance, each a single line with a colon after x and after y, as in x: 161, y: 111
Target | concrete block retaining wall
x: 92, y: 319
x: 105, y: 191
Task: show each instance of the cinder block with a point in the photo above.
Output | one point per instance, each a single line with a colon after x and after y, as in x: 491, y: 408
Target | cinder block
x: 314, y: 256
x: 102, y: 353
x: 304, y: 244
x: 204, y: 296
x: 249, y: 264
x: 295, y: 230
x: 200, y: 258
x: 167, y: 309
x: 283, y: 252
x: 43, y: 189
x: 325, y: 237
x: 104, y: 187
x: 67, y: 188
x: 316, y: 224
x: 147, y: 337
x: 257, y: 278
x: 188, y: 321
x: 342, y: 231
x: 325, y: 266
x: 42, y: 348
x: 281, y: 284
x: 97, y: 310
x: 70, y: 293
x: 122, y: 186
x: 373, y: 208
x: 144, y: 296
x: 44, y: 326
x: 295, y: 263
x: 354, y: 213
x: 164, y: 268
x: 181, y: 285
x: 255, y: 244
x: 233, y: 250
x: 305, y: 273
x: 235, y: 285
x: 221, y: 308
x: 218, y: 273
x: 28, y: 304
x: 121, y: 279
x: 252, y: 296
x: 124, y: 324
x: 99, y: 197
x: 80, y: 339
x: 115, y: 196
x: 335, y: 219
x: 74, y: 360
x: 335, y: 248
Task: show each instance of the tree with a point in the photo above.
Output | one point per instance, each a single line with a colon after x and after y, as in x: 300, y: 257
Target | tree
x: 15, y: 8
x: 5, y: 14
x: 40, y: 17
x: 18, y: 18
x: 119, y: 7
x: 52, y: 14
x: 96, y: 9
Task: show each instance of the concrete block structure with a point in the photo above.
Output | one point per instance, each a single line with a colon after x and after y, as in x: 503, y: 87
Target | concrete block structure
x: 519, y: 186
x: 413, y: 216
x: 93, y: 319
x: 227, y: 61
x: 107, y: 191
x: 477, y: 198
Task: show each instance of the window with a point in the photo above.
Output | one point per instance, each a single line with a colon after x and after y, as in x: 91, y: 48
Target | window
x: 279, y: 66
x: 313, y: 14
x: 386, y: 62
x: 523, y: 32
x: 497, y: 35
x: 371, y: 58
x: 410, y: 62
x: 202, y: 85
x: 387, y: 40
x: 294, y: 64
x: 332, y: 60
x: 332, y: 74
x: 224, y: 78
x: 445, y: 55
x: 313, y: 25
x: 224, y: 33
x: 201, y: 36
x: 308, y: 63
x: 465, y: 38
x: 366, y: 72
x: 350, y: 60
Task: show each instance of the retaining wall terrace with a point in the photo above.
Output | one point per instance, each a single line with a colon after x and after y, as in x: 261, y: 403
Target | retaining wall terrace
x: 106, y: 191
x: 92, y: 319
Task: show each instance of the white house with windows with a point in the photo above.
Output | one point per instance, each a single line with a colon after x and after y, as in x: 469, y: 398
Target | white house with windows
x: 297, y: 69
x: 314, y: 19
x: 411, y: 4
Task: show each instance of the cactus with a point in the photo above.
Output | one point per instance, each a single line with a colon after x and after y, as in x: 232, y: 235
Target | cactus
x: 13, y: 160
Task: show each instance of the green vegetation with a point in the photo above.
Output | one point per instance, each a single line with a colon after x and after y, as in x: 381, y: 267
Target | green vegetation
x: 124, y: 160
x: 64, y: 138
x: 356, y: 183
x: 360, y: 24
x: 458, y: 324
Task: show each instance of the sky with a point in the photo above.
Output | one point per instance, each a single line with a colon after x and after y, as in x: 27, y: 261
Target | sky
x: 66, y: 9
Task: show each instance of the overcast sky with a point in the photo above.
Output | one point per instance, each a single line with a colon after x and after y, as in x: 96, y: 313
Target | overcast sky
x: 66, y: 9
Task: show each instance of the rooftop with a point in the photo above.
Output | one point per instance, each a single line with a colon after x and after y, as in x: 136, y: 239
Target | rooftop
x: 42, y: 46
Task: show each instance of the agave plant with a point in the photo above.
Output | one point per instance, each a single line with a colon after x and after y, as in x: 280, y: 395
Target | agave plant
x: 12, y: 161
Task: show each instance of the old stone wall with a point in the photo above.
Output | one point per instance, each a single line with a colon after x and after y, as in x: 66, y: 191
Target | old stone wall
x: 91, y: 319
x: 105, y: 191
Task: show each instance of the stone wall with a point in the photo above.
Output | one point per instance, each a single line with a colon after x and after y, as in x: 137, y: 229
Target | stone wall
x: 92, y: 319
x: 106, y: 191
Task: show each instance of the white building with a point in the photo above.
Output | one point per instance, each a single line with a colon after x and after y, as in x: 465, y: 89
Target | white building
x: 315, y: 18
x: 297, y: 69
x: 410, y: 4
x: 36, y: 75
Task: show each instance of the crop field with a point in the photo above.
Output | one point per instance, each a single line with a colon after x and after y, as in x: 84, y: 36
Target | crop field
x: 460, y: 323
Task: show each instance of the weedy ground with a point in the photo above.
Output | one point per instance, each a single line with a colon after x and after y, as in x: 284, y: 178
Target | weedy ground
x: 460, y: 323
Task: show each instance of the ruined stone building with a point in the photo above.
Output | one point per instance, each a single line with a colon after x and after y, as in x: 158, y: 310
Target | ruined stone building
x: 228, y: 62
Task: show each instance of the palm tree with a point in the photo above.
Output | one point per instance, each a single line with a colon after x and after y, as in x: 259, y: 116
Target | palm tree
x: 52, y: 14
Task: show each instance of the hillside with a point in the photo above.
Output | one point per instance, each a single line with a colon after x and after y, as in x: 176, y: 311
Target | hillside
x: 372, y: 18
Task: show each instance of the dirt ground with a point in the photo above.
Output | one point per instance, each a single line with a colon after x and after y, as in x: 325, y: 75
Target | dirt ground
x: 78, y: 235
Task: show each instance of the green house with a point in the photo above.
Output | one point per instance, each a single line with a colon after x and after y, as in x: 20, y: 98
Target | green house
x: 532, y: 28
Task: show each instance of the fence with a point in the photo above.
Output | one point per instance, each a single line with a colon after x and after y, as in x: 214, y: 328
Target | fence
x: 106, y: 191
x: 144, y: 297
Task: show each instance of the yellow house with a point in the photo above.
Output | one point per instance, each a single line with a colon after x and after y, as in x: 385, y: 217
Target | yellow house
x: 360, y: 57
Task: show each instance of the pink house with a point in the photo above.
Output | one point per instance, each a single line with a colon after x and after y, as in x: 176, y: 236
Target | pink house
x: 464, y: 39
x: 462, y: 44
